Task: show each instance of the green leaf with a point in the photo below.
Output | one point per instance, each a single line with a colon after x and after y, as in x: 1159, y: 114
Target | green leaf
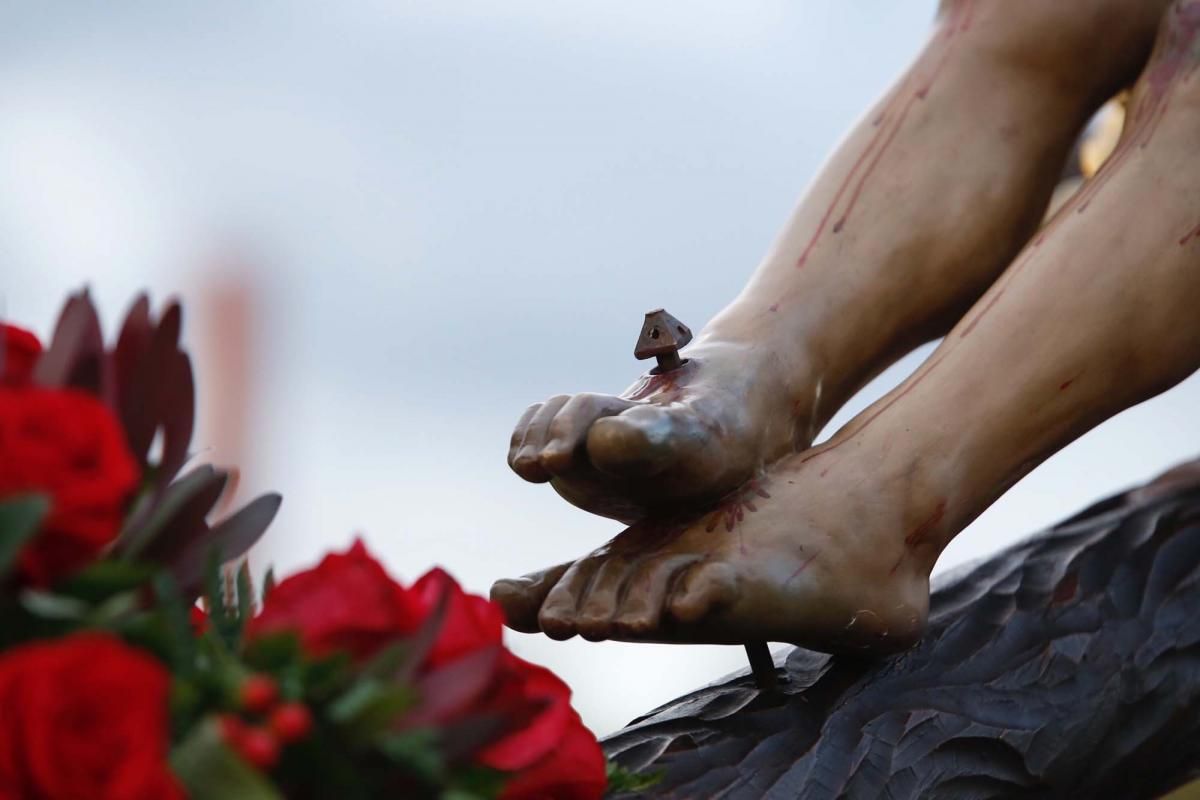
x: 273, y: 652
x: 105, y: 579
x: 370, y: 706
x: 214, y: 587
x: 113, y: 610
x: 622, y: 780
x: 245, y: 593
x: 222, y: 617
x: 383, y: 664
x: 475, y: 783
x: 211, y: 771
x: 19, y: 521
x: 177, y: 622
x: 415, y: 752
x: 268, y: 583
x: 326, y: 677
x: 53, y: 606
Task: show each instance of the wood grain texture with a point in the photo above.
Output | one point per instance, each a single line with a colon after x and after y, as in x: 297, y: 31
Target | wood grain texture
x: 1065, y: 666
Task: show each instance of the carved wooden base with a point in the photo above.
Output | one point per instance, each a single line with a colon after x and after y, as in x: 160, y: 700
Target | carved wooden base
x: 1065, y: 666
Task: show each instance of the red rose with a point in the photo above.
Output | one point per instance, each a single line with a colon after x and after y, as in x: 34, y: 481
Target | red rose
x: 347, y: 602
x: 84, y: 717
x: 575, y: 770
x: 470, y: 622
x: 554, y: 757
x: 19, y: 351
x: 68, y: 446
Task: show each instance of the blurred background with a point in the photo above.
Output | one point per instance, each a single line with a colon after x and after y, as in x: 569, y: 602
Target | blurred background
x: 395, y: 225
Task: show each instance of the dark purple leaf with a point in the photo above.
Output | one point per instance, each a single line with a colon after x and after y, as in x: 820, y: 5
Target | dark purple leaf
x: 460, y: 740
x: 137, y: 333
x: 418, y: 645
x: 177, y: 414
x: 229, y: 539
x: 143, y: 407
x: 189, y: 522
x: 451, y: 689
x: 75, y: 357
x: 132, y: 342
x: 176, y: 520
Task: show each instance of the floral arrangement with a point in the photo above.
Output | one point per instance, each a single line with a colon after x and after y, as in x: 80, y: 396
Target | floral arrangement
x: 337, y: 681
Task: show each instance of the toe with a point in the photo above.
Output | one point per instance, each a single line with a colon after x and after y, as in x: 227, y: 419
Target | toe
x: 636, y: 443
x: 703, y: 589
x: 567, y: 434
x: 525, y: 461
x: 599, y: 604
x: 645, y: 593
x: 519, y: 432
x: 558, y: 614
x: 522, y: 598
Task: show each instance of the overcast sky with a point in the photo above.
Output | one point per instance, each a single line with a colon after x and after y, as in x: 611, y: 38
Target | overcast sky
x: 446, y: 210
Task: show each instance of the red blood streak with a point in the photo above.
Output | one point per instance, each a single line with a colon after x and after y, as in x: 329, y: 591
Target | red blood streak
x: 1066, y: 385
x: 1192, y: 234
x: 665, y: 385
x: 884, y: 133
x: 837, y: 197
x: 967, y: 17
x: 803, y: 566
x: 918, y: 534
x: 919, y: 94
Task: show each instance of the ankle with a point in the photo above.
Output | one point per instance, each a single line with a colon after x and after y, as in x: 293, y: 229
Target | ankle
x: 775, y: 370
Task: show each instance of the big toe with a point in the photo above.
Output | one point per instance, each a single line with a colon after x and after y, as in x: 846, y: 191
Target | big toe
x: 642, y: 441
x: 521, y: 598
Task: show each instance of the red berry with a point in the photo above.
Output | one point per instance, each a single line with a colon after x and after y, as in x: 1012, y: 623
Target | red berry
x: 258, y: 693
x: 259, y: 747
x: 291, y: 722
x: 232, y: 730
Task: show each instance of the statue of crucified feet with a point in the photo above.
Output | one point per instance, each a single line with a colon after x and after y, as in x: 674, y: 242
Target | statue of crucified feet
x: 925, y: 223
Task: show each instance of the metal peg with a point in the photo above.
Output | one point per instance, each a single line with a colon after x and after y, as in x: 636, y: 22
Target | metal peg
x: 662, y: 337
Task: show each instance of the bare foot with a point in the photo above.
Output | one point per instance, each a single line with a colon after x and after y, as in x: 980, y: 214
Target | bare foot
x: 689, y: 434
x: 807, y: 554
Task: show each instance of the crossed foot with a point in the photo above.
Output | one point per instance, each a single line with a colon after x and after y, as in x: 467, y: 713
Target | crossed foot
x: 831, y: 547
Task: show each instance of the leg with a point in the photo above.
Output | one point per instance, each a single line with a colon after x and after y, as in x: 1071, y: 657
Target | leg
x: 878, y: 257
x: 1098, y: 313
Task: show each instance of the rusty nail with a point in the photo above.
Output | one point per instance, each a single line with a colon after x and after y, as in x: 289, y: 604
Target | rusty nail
x: 662, y: 337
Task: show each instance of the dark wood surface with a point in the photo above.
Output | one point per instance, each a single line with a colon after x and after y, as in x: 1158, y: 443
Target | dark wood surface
x: 1065, y: 666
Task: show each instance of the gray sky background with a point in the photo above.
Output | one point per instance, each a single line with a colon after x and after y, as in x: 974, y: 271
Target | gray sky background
x: 451, y: 209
